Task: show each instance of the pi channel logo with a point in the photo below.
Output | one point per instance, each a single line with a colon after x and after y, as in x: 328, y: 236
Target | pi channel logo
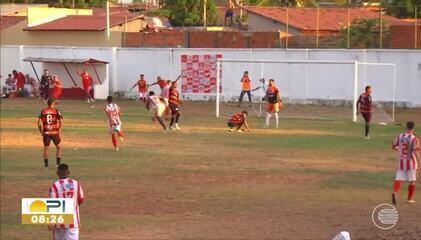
x: 385, y: 216
x: 47, y: 206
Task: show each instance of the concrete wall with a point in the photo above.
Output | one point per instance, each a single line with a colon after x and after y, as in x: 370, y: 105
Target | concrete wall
x: 296, y: 81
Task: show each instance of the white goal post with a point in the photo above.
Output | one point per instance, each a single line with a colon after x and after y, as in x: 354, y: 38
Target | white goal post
x: 355, y: 65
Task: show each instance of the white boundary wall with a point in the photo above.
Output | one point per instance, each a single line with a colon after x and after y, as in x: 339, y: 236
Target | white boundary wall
x: 127, y: 63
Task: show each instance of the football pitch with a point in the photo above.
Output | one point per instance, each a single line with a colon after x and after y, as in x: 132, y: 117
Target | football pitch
x: 309, y: 179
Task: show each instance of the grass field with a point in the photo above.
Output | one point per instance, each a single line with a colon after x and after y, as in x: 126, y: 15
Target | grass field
x: 309, y: 179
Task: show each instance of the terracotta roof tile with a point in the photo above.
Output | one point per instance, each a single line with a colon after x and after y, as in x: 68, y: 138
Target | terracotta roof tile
x: 330, y: 19
x: 8, y: 21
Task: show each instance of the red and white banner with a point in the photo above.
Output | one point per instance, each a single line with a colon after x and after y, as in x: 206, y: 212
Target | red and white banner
x: 198, y: 73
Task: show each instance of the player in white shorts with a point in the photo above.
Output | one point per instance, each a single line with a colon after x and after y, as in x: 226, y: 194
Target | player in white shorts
x: 66, y: 187
x: 113, y: 112
x: 156, y: 105
x: 408, y: 147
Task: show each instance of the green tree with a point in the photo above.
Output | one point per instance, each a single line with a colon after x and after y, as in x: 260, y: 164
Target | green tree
x: 190, y: 12
x: 402, y: 8
x: 285, y: 3
x: 363, y: 33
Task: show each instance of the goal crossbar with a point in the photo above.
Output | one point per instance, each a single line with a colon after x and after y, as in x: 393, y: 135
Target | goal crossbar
x: 354, y: 63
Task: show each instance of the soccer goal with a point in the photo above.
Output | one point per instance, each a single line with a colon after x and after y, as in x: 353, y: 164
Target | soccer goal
x: 309, y: 89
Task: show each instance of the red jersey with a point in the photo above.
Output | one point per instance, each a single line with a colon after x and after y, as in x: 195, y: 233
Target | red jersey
x: 50, y: 118
x: 20, y: 79
x: 142, y: 85
x: 86, y: 80
x: 173, y: 96
x: 407, y: 144
x: 161, y: 83
x: 364, y: 102
x: 68, y: 188
x: 237, y: 118
x: 57, y: 88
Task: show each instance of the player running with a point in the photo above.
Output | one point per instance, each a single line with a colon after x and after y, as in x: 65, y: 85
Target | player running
x: 246, y: 86
x: 161, y: 82
x: 274, y: 103
x: 66, y: 187
x: 87, y: 85
x: 49, y: 125
x: 142, y: 87
x: 57, y: 88
x: 173, y: 102
x: 364, y: 104
x: 238, y: 120
x: 113, y: 112
x: 408, y: 147
x: 156, y: 105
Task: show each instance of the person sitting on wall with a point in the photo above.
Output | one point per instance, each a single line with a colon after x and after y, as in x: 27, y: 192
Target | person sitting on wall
x: 9, y: 87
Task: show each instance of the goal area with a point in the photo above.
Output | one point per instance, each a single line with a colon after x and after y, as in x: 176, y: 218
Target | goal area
x: 310, y: 89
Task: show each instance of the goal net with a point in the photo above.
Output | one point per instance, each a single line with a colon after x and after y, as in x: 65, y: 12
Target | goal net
x: 309, y: 89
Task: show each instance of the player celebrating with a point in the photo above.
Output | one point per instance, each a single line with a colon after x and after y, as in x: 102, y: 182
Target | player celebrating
x: 87, y: 85
x: 161, y: 82
x: 274, y: 102
x: 238, y: 120
x: 143, y: 87
x: 173, y: 102
x: 57, y: 88
x: 156, y: 105
x: 408, y: 147
x: 364, y: 105
x: 113, y: 112
x: 66, y: 187
x: 49, y: 124
x: 246, y: 87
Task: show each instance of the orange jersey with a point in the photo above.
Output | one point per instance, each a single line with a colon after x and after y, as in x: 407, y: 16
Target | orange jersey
x: 237, y: 118
x: 161, y: 83
x: 142, y: 85
x: 57, y: 88
x: 50, y: 118
x: 272, y: 93
x: 245, y: 80
x: 86, y: 80
x: 174, y: 96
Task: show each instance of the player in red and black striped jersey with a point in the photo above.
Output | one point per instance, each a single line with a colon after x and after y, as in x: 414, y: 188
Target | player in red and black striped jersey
x: 49, y: 124
x: 364, y: 106
x: 173, y: 102
x: 238, y: 121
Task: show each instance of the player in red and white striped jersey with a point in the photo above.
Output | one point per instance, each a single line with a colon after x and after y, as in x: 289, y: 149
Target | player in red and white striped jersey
x: 66, y: 187
x: 408, y: 147
x: 113, y: 113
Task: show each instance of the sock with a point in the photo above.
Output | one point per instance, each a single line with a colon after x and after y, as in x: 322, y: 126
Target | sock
x: 46, y: 162
x: 411, y: 190
x: 277, y: 119
x: 367, y: 129
x: 114, y: 140
x: 396, y: 186
x: 120, y: 133
x: 58, y: 160
x: 161, y: 122
x: 176, y: 118
x: 172, y: 121
x: 268, y: 115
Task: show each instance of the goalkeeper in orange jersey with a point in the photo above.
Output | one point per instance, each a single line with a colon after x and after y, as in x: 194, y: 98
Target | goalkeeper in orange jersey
x: 238, y: 121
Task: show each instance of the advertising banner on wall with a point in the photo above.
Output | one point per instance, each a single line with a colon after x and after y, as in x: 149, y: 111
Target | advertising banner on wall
x: 198, y: 73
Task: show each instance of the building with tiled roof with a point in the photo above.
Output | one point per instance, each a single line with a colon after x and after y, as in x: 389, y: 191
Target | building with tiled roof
x: 304, y: 20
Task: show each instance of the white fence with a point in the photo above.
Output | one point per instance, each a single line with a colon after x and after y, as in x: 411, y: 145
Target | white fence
x: 296, y: 82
